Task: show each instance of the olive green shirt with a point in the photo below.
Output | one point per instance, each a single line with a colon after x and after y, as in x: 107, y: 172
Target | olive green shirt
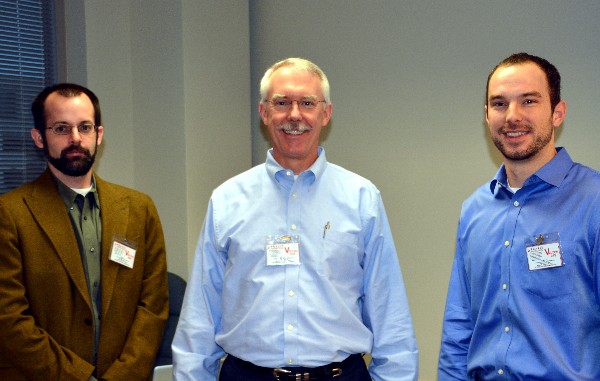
x: 86, y: 221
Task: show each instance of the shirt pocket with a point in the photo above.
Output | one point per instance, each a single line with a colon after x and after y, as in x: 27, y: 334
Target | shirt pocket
x: 551, y: 282
x: 341, y: 254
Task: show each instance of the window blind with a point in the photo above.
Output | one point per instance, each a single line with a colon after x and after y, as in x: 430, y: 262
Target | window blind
x: 27, y: 65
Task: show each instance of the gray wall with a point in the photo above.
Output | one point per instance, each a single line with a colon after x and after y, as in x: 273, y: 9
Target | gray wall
x: 178, y: 85
x: 176, y: 118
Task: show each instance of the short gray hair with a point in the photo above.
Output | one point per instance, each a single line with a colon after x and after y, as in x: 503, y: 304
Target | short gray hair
x: 297, y: 65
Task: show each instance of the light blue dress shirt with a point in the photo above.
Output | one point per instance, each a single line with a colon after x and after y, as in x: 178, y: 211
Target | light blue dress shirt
x: 347, y: 295
x: 504, y: 321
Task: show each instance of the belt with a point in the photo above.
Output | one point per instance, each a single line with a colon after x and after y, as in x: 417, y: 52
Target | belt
x: 331, y: 370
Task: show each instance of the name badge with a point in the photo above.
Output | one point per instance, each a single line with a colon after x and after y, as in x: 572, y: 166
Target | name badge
x: 123, y: 252
x: 544, y: 255
x: 282, y: 250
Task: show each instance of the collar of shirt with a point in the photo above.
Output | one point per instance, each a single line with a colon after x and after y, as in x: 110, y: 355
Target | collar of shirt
x: 553, y: 172
x: 68, y: 195
x: 284, y: 177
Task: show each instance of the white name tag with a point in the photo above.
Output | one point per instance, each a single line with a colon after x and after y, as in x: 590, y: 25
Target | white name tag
x: 281, y: 254
x: 122, y: 254
x: 544, y: 256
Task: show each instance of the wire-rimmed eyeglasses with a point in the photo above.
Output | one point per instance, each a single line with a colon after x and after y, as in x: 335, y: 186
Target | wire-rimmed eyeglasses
x: 285, y: 104
x: 65, y: 128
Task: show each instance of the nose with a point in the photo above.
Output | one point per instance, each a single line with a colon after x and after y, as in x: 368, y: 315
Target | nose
x: 513, y: 113
x: 295, y: 113
x: 75, y: 136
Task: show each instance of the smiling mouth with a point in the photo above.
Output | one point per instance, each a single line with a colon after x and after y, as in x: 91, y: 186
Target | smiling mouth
x: 515, y: 134
x: 294, y: 128
x: 293, y: 132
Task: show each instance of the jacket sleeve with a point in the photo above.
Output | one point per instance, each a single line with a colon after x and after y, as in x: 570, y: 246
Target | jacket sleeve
x: 25, y: 347
x: 136, y: 359
x: 458, y: 325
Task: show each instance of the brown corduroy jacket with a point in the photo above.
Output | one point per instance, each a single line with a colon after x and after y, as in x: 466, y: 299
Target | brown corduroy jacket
x: 46, y: 329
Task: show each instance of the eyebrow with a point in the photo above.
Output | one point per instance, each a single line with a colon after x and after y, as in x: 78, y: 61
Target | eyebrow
x: 275, y: 96
x: 535, y: 94
x: 532, y: 94
x: 77, y: 124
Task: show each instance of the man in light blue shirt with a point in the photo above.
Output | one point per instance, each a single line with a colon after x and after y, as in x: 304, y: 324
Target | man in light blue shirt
x: 296, y: 274
x: 524, y: 295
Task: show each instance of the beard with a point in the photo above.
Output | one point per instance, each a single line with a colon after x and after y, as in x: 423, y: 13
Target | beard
x: 540, y: 141
x: 72, y: 167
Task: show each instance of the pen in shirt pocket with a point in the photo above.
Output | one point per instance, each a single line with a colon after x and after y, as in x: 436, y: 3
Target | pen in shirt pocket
x: 327, y: 226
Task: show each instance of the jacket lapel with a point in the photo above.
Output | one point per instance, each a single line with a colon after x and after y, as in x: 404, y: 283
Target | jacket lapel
x: 114, y: 209
x: 48, y: 209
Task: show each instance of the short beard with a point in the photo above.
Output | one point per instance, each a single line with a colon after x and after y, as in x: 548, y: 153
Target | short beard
x: 539, y: 143
x: 72, y: 167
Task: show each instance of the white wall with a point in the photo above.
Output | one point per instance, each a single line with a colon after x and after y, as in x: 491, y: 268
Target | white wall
x: 178, y: 84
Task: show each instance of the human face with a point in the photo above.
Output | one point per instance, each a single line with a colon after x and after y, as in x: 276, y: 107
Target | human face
x: 520, y: 116
x: 69, y: 155
x: 295, y: 133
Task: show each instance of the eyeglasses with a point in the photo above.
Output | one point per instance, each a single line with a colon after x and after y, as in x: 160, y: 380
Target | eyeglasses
x: 284, y: 104
x: 65, y: 128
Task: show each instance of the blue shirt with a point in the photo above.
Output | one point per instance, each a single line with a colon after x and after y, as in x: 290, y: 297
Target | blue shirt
x: 504, y: 321
x: 347, y: 296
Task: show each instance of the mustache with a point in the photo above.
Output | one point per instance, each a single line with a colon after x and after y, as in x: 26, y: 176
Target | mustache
x: 513, y: 127
x: 289, y: 127
x: 75, y: 148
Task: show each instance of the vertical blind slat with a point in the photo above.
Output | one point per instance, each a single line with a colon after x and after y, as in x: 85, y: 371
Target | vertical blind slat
x: 27, y: 65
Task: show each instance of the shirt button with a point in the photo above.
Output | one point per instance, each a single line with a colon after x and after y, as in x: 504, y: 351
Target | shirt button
x: 500, y: 372
x: 293, y: 227
x: 290, y: 327
x: 294, y: 195
x: 504, y: 286
x: 289, y: 173
x: 291, y: 293
x: 92, y: 249
x: 290, y: 361
x: 506, y: 243
x: 506, y: 329
x: 516, y: 203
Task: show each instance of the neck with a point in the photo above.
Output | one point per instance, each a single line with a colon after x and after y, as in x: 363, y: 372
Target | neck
x: 516, y: 178
x: 518, y: 171
x: 296, y: 165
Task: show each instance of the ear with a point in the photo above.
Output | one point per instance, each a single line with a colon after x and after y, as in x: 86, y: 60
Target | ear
x: 37, y: 137
x: 486, y: 115
x: 100, y: 134
x: 263, y: 112
x: 559, y: 114
x: 327, y: 114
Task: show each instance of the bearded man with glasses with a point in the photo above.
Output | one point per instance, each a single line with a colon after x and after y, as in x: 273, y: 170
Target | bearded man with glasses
x: 296, y: 274
x: 83, y: 270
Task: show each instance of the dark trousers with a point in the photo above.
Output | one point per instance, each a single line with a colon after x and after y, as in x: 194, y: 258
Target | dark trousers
x: 234, y: 369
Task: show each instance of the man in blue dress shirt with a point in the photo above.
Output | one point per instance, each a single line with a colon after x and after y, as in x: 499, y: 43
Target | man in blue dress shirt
x: 524, y: 295
x: 296, y: 274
